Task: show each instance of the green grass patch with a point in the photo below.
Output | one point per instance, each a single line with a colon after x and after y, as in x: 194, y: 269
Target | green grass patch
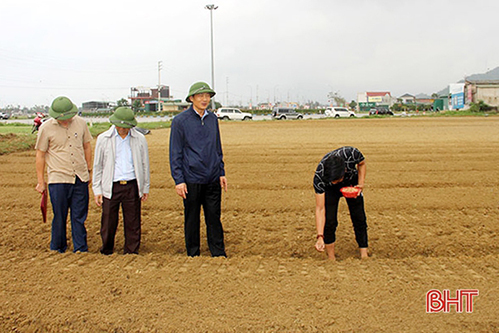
x: 12, y: 142
x: 98, y: 128
x: 461, y: 113
x: 155, y: 125
x: 15, y: 128
x: 18, y: 137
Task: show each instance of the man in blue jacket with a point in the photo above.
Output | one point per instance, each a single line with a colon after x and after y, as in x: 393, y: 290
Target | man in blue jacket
x: 197, y: 167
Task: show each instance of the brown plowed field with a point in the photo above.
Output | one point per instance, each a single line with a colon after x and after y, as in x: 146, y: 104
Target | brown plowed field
x: 432, y: 201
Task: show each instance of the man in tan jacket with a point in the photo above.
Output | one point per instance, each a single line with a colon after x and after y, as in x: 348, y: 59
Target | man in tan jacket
x: 63, y: 145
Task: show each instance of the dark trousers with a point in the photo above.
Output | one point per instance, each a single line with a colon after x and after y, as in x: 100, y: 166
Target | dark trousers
x: 126, y: 195
x: 357, y: 214
x: 73, y: 198
x: 209, y: 196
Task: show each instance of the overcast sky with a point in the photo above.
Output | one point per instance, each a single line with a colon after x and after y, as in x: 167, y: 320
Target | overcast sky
x: 265, y: 50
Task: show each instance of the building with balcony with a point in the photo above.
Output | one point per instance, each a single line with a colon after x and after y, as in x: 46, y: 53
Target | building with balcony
x: 150, y: 98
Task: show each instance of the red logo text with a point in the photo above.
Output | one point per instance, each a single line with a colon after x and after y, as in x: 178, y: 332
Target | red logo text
x: 438, y: 301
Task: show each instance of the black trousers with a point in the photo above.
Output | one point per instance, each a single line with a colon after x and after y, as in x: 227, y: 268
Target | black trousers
x: 357, y: 214
x: 126, y: 195
x: 209, y: 196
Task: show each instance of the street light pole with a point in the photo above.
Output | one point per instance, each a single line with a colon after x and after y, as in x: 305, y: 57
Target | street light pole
x: 251, y: 97
x: 211, y: 8
x: 159, y: 108
x: 274, y: 93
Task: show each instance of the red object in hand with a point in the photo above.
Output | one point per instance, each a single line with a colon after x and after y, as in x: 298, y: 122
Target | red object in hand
x: 43, y: 206
x: 350, y: 191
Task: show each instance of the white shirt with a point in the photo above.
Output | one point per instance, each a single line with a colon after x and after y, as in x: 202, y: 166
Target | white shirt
x: 104, y: 162
x: 123, y: 165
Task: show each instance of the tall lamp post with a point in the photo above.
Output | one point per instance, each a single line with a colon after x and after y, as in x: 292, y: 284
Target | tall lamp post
x: 159, y: 108
x: 251, y: 97
x: 211, y: 8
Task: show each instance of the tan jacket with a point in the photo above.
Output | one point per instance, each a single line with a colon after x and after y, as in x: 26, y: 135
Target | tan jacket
x: 63, y: 147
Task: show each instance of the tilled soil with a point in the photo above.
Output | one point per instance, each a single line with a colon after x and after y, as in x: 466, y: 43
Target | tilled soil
x: 432, y: 201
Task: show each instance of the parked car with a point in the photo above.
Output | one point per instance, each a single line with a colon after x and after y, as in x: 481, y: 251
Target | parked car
x: 339, y: 112
x: 4, y: 115
x: 285, y: 113
x: 233, y: 114
x: 380, y: 111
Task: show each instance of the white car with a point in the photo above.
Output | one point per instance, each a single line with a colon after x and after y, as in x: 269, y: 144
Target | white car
x: 338, y: 112
x: 233, y: 114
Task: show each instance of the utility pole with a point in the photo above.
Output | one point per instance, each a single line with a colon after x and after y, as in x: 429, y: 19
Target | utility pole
x: 251, y: 97
x: 257, y: 101
x: 227, y: 91
x: 211, y: 8
x: 160, y: 66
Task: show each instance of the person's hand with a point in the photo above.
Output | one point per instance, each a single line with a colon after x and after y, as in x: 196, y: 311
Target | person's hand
x: 98, y: 200
x: 40, y: 187
x: 360, y: 187
x: 181, y: 190
x: 319, y: 245
x: 145, y: 196
x: 223, y: 183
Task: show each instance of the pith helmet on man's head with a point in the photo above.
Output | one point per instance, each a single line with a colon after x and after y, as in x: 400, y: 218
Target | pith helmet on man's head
x: 62, y: 109
x: 123, y: 117
x: 199, y: 88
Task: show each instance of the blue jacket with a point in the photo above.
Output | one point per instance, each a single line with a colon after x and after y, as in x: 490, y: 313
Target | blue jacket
x: 195, y: 148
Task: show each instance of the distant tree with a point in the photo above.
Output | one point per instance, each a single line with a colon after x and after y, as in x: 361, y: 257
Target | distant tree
x: 397, y: 107
x: 136, y: 105
x: 353, y: 104
x: 39, y: 108
x: 217, y: 105
x: 122, y: 102
x: 481, y: 106
x: 434, y: 95
x: 338, y: 100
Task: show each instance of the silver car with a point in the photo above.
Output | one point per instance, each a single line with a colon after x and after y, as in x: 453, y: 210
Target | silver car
x: 286, y: 113
x: 233, y: 114
x: 338, y: 112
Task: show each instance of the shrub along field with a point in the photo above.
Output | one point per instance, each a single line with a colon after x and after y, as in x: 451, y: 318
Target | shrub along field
x: 432, y: 203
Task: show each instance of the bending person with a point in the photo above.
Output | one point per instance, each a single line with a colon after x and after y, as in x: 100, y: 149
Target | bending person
x: 342, y: 167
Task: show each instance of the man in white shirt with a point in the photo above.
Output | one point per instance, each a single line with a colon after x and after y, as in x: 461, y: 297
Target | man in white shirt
x: 121, y: 177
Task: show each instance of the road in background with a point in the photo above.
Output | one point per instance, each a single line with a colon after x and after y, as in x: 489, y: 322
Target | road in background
x: 149, y: 119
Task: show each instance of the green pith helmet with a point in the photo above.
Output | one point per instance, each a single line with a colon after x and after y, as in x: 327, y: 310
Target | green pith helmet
x: 62, y: 108
x: 199, y: 88
x: 123, y: 117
